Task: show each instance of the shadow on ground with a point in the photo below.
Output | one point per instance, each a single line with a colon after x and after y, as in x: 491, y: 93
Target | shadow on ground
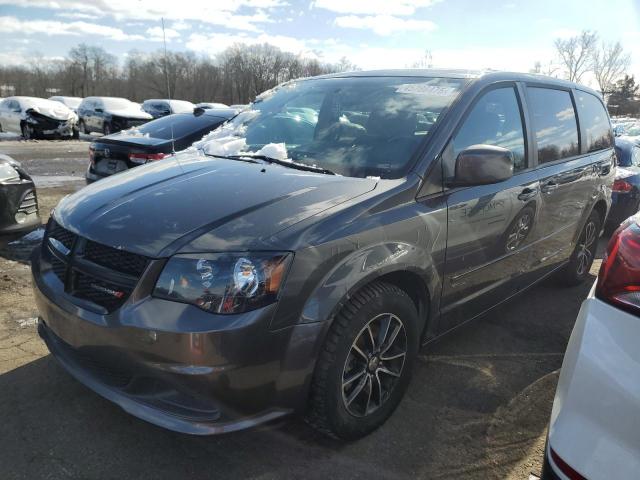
x: 478, y: 407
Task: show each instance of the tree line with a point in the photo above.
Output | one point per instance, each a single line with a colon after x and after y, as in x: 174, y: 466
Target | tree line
x: 236, y: 75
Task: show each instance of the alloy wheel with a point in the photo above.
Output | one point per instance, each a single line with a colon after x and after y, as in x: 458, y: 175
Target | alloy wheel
x: 586, y: 248
x: 374, y: 365
x: 519, y: 232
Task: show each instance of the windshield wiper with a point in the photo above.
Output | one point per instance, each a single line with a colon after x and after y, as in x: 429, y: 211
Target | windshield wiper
x: 284, y: 163
x: 233, y: 157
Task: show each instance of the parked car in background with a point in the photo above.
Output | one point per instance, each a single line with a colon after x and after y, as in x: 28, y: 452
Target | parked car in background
x: 288, y: 265
x: 34, y: 117
x: 595, y: 420
x: 107, y: 115
x: 239, y: 106
x: 72, y: 102
x: 152, y: 141
x: 162, y: 107
x: 18, y: 201
x: 207, y: 105
x: 625, y: 197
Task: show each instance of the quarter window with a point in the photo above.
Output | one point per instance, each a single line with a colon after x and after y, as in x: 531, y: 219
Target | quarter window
x: 494, y: 120
x: 595, y: 122
x: 554, y: 124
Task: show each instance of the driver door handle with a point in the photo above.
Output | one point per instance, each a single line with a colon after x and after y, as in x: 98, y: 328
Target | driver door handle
x: 527, y: 194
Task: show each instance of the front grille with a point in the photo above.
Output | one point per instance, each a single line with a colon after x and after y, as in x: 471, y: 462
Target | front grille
x: 90, y: 271
x: 116, y: 259
x: 107, y: 294
x: 29, y: 203
x: 65, y: 237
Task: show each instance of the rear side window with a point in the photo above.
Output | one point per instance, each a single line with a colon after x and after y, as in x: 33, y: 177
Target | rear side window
x: 595, y: 122
x: 495, y: 119
x: 554, y: 124
x: 177, y: 126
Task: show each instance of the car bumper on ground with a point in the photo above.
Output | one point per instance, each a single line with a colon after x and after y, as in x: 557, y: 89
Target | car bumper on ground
x: 157, y: 360
x: 18, y: 209
x: 623, y: 206
x: 596, y: 413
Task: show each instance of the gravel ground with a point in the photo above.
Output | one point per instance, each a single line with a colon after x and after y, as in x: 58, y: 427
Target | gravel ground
x: 477, y: 407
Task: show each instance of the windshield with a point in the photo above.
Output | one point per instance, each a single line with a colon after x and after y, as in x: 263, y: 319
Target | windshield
x: 117, y: 103
x: 358, y: 127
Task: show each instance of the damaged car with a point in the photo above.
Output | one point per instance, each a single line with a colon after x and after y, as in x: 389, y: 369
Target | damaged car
x: 296, y: 258
x: 152, y: 141
x: 18, y: 201
x: 108, y: 115
x: 34, y: 117
x: 72, y: 102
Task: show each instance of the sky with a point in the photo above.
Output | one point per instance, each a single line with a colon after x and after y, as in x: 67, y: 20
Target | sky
x: 476, y: 34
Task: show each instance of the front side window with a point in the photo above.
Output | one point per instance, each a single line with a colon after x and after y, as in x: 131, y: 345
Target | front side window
x: 554, y: 124
x: 355, y: 126
x: 496, y: 120
x: 595, y: 122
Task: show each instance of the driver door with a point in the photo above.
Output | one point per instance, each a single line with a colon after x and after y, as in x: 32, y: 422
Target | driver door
x: 490, y: 227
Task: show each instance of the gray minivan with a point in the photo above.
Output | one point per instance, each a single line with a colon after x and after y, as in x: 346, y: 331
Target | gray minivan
x: 296, y: 258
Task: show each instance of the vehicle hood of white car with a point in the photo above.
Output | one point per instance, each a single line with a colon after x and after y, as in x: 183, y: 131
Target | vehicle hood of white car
x: 55, y: 110
x: 133, y: 112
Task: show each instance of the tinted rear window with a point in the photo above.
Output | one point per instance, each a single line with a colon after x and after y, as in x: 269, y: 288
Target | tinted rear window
x: 554, y: 123
x: 595, y: 121
x: 177, y: 126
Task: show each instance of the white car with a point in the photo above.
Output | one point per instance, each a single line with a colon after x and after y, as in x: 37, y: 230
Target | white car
x: 34, y: 117
x: 72, y: 102
x: 594, y: 432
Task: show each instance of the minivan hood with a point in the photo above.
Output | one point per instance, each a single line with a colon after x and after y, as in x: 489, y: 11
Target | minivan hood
x: 190, y: 201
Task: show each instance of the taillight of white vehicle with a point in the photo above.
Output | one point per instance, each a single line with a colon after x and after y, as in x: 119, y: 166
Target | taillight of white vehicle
x: 619, y: 277
x: 564, y: 467
x: 621, y: 186
x: 145, y: 157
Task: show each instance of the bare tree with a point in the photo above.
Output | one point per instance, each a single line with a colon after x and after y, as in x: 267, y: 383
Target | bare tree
x: 549, y: 69
x: 609, y: 63
x: 425, y: 62
x: 576, y: 53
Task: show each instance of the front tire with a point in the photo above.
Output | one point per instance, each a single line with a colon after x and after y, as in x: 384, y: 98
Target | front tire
x: 106, y: 129
x: 365, y: 365
x: 577, y: 270
x: 26, y: 132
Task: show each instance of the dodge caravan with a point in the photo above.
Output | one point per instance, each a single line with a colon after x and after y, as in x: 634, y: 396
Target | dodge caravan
x: 295, y: 259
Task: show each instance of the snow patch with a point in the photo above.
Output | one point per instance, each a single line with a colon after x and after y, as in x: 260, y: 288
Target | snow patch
x: 27, y: 322
x: 274, y: 150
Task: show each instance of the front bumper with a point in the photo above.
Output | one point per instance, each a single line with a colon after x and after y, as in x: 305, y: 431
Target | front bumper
x: 18, y: 197
x: 154, y: 359
x: 596, y: 412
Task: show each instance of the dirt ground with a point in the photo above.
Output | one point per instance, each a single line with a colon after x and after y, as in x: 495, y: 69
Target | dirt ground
x: 477, y: 407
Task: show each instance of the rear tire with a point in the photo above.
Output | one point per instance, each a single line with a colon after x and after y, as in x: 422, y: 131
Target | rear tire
x: 365, y: 365
x: 577, y: 270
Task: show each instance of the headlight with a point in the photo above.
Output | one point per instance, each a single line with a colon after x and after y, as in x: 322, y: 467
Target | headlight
x: 224, y: 283
x: 8, y: 173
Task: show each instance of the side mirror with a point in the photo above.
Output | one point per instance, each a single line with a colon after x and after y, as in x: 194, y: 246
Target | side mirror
x: 483, y: 165
x: 99, y: 110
